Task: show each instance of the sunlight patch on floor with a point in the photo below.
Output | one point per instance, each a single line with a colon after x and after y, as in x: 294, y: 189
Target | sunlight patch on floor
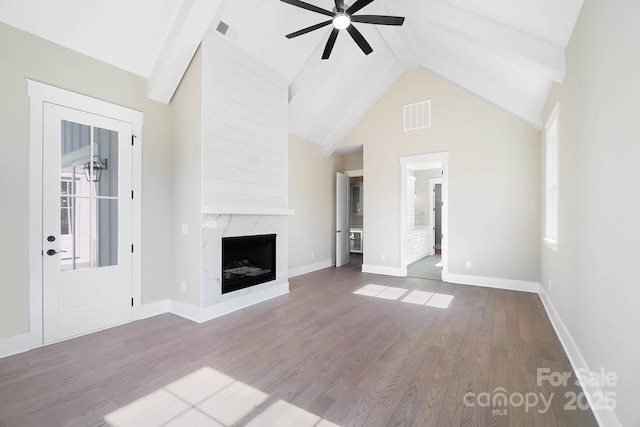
x: 430, y: 299
x: 284, y: 414
x: 386, y: 292
x: 207, y: 397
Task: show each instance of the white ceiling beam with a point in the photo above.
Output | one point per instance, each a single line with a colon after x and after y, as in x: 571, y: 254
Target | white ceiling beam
x: 396, y: 37
x: 497, y: 93
x: 190, y: 26
x: 541, y: 56
x: 400, y: 44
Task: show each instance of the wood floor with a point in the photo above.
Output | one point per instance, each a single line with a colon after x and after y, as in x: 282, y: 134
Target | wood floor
x: 351, y: 360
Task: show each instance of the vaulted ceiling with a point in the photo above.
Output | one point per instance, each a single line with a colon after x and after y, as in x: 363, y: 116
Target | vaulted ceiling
x: 508, y: 52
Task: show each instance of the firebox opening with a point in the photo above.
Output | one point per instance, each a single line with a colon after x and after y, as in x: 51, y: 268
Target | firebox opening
x: 247, y: 261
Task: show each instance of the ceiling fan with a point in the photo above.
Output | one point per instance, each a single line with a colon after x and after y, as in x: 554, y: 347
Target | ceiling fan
x: 341, y: 18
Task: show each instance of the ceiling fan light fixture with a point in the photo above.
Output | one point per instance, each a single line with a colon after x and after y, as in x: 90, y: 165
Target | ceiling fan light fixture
x: 341, y: 21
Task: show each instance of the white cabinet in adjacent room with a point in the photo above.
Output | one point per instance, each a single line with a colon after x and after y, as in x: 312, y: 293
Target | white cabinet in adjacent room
x: 417, y: 245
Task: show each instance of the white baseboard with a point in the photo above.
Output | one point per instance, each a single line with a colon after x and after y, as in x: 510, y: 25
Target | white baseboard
x: 204, y: 314
x: 145, y: 311
x: 381, y: 269
x: 226, y: 307
x: 298, y: 271
x: 155, y: 308
x: 491, y: 282
x: 605, y: 417
x: 186, y: 310
x: 15, y: 344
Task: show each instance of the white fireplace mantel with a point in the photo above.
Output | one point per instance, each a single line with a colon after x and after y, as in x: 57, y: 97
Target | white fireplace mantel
x: 246, y: 210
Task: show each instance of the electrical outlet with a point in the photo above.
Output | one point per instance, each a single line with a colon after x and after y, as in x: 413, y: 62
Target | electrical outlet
x: 183, y: 286
x: 468, y: 264
x: 383, y: 257
x: 313, y: 255
x: 549, y: 284
x: 185, y: 228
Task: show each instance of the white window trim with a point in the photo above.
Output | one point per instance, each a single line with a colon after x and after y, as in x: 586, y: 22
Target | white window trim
x: 551, y: 239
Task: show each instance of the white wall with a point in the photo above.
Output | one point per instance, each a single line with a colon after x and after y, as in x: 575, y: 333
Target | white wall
x: 493, y: 155
x: 592, y: 279
x: 312, y: 194
x: 25, y: 56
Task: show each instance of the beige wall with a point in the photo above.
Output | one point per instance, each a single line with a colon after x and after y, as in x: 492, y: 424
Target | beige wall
x: 592, y: 279
x: 25, y: 56
x: 353, y: 162
x: 186, y: 185
x: 493, y: 178
x: 312, y: 194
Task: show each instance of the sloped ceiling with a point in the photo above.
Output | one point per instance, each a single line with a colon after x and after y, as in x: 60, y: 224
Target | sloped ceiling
x: 508, y: 52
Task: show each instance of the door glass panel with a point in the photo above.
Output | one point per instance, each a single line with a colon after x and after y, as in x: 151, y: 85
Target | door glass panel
x: 75, y: 227
x: 106, y: 242
x: 88, y: 197
x: 105, y: 155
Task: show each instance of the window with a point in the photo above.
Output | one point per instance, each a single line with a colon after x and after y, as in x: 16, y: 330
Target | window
x: 551, y: 180
x: 66, y: 205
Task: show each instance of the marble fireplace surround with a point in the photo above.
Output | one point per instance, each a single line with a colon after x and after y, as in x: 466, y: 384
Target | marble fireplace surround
x: 215, y: 226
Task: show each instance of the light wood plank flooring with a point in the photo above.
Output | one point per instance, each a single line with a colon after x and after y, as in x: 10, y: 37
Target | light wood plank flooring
x: 319, y: 356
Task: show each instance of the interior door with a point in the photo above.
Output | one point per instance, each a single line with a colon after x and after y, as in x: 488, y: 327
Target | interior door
x: 86, y: 257
x: 342, y: 219
x: 438, y: 216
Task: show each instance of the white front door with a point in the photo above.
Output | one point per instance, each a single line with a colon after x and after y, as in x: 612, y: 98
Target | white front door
x: 87, y: 222
x: 342, y: 219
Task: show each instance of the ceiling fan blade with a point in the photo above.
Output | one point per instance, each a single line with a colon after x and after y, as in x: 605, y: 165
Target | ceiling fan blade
x: 340, y: 5
x: 359, y: 39
x: 308, y: 29
x: 308, y: 6
x: 332, y: 41
x: 378, y: 19
x: 357, y: 6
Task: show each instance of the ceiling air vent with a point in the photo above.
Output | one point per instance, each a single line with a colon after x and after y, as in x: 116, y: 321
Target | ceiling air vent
x: 417, y: 116
x: 224, y: 29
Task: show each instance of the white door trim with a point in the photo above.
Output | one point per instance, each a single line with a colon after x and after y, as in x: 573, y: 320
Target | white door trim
x: 421, y: 162
x: 40, y: 93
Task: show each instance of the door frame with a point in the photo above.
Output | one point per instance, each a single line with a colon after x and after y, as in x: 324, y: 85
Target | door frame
x: 39, y: 93
x: 420, y: 162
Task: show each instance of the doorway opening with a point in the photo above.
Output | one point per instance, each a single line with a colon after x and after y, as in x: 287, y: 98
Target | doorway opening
x: 424, y: 186
x: 350, y: 236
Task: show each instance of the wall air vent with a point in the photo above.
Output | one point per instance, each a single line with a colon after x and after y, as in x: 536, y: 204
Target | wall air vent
x: 417, y: 116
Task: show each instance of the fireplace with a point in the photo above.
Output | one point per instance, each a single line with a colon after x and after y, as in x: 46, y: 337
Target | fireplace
x: 248, y: 261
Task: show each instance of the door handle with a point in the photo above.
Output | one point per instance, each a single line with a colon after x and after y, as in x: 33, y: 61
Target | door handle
x: 52, y: 252
x: 338, y: 231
